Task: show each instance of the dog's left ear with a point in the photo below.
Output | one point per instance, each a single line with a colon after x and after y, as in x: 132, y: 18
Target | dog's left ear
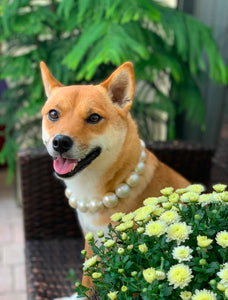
x: 49, y: 80
x: 121, y: 86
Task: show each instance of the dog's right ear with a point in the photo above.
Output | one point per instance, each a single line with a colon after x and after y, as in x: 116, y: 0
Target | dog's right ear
x: 48, y: 79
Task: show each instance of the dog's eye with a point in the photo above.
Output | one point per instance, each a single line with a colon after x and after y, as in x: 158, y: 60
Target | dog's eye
x: 53, y: 115
x: 93, y: 119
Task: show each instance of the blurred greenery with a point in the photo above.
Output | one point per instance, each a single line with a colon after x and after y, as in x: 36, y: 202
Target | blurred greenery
x: 85, y: 40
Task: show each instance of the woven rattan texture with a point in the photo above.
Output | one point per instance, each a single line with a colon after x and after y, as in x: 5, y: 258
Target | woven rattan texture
x: 47, y: 267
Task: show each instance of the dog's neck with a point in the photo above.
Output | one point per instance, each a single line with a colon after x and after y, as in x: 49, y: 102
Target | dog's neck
x: 107, y: 172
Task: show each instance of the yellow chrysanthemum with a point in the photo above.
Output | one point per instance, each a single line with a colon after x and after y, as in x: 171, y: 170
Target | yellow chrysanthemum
x: 117, y: 216
x: 223, y: 274
x: 219, y: 187
x: 109, y: 243
x: 205, y: 199
x: 160, y: 275
x: 178, y: 232
x: 189, y: 197
x: 204, y: 295
x: 170, y: 217
x: 150, y: 201
x: 143, y: 212
x: 203, y: 241
x: 196, y: 188
x: 90, y: 262
x: 185, y: 295
x: 143, y: 248
x: 155, y: 228
x: 112, y: 295
x: 125, y: 226
x: 149, y: 275
x: 167, y: 191
x: 158, y: 211
x: 182, y: 253
x: 222, y: 238
x: 128, y: 217
x: 179, y: 276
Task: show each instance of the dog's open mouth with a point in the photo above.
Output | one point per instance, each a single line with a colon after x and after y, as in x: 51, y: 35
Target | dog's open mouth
x: 65, y: 167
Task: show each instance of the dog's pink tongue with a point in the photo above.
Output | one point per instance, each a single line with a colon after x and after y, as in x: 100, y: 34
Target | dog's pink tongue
x: 63, y: 165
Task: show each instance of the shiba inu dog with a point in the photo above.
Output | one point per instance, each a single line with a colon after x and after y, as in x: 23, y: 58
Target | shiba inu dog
x: 89, y: 132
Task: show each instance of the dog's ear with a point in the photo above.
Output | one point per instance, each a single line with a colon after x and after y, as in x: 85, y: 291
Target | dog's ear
x: 48, y: 79
x: 121, y: 85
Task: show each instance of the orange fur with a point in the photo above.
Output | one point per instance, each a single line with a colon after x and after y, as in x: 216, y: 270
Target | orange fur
x: 111, y: 99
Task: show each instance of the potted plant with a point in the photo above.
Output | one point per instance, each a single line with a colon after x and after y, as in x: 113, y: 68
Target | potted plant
x: 175, y: 247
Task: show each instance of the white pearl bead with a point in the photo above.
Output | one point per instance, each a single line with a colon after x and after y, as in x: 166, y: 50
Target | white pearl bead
x: 142, y: 144
x: 68, y: 193
x: 82, y: 206
x: 140, y: 168
x: 110, y: 200
x: 133, y: 179
x: 73, y: 201
x: 143, y: 156
x: 94, y: 205
x: 123, y: 190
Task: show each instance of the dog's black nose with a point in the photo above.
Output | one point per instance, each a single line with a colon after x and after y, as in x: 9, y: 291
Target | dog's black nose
x: 62, y: 143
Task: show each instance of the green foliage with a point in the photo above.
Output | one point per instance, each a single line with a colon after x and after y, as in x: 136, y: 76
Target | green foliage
x: 171, y: 247
x: 85, y: 40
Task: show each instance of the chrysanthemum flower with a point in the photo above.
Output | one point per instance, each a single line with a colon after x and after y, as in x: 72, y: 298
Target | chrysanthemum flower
x: 90, y: 262
x: 189, y: 197
x: 143, y: 248
x: 112, y: 295
x: 167, y: 191
x: 158, y: 211
x: 143, y: 212
x: 155, y: 228
x: 179, y: 276
x: 179, y: 232
x: 186, y: 295
x: 204, y: 295
x: 160, y: 275
x: 203, y: 241
x: 196, y: 188
x: 128, y: 217
x: 219, y: 187
x: 181, y: 191
x: 109, y: 243
x: 150, y: 201
x: 205, y: 199
x: 124, y: 226
x: 170, y: 217
x: 149, y: 275
x: 174, y: 198
x: 117, y: 216
x: 224, y: 196
x: 182, y: 253
x: 222, y: 238
x: 223, y: 274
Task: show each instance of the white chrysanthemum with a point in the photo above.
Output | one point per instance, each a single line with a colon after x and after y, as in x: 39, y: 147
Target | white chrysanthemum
x: 179, y: 276
x: 204, y: 295
x: 189, y: 197
x: 223, y: 274
x: 205, y: 199
x: 196, y: 188
x: 222, y: 238
x: 170, y: 217
x: 178, y: 232
x: 155, y: 228
x: 182, y: 253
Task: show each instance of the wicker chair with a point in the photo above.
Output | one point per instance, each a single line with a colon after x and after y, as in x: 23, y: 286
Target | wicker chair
x: 52, y: 234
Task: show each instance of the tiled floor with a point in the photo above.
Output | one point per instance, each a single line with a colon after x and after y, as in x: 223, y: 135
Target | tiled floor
x: 12, y: 267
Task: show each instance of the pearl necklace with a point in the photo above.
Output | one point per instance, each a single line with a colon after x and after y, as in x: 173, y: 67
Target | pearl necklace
x: 110, y: 199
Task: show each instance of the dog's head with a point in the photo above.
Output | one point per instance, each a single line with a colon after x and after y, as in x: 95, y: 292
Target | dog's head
x: 82, y: 123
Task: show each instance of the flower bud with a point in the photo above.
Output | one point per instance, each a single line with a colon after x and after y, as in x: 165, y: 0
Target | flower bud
x: 212, y: 282
x: 134, y: 273
x: 77, y: 284
x: 83, y: 252
x: 160, y: 286
x: 197, y: 217
x: 143, y: 248
x: 203, y: 262
x: 140, y: 230
x: 144, y: 290
x: 226, y: 293
x: 220, y: 287
x: 130, y: 247
x: 124, y: 288
x: 89, y: 237
x: 120, y: 271
x: 100, y: 234
x: 120, y: 251
x: 96, y: 275
x: 124, y: 236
